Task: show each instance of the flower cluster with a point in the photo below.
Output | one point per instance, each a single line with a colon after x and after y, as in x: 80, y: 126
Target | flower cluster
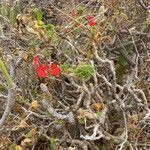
x: 91, y: 21
x: 43, y: 70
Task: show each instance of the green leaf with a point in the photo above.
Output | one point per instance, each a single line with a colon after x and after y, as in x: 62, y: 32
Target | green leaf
x: 80, y: 9
x: 40, y: 23
x: 2, y: 87
x: 98, y: 114
x: 5, y: 73
x: 65, y: 67
x: 49, y: 33
x: 120, y: 69
x: 12, y: 17
x: 3, y: 10
x: 53, y: 143
x: 38, y: 14
x: 84, y: 72
x: 50, y: 28
x: 81, y: 120
x: 12, y: 146
x: 93, y: 29
x: 121, y: 61
x: 129, y: 48
x: 48, y: 115
x: 29, y: 135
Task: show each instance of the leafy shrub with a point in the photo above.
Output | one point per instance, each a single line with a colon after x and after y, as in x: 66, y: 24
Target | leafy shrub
x: 84, y: 72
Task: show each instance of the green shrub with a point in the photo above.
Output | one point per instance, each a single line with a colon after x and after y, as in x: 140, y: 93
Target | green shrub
x: 84, y: 72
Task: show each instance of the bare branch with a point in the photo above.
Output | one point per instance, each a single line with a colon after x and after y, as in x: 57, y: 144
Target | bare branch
x: 143, y: 5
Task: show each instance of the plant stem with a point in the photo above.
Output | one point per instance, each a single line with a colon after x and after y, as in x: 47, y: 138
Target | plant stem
x: 5, y: 73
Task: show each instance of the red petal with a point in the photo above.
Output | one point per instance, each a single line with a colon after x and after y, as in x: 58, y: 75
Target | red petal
x: 41, y: 71
x: 54, y: 72
x: 91, y: 23
x: 53, y: 66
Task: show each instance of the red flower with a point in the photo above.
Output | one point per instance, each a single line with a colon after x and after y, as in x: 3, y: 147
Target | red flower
x: 91, y: 21
x: 53, y: 66
x: 54, y: 70
x: 42, y: 71
x: 35, y: 60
